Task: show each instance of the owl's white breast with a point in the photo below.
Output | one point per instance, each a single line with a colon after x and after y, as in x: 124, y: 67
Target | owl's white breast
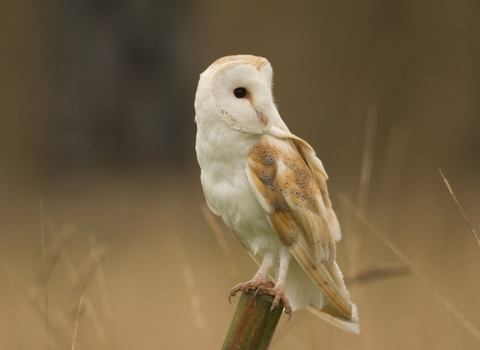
x: 222, y: 153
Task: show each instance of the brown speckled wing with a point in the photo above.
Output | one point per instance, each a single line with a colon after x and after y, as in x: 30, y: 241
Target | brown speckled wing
x: 281, y: 175
x: 288, y: 191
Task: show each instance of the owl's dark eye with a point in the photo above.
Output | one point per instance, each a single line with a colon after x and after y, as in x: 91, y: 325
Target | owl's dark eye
x: 240, y: 92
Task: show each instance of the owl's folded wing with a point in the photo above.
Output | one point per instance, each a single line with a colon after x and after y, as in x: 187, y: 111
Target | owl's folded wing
x: 290, y: 184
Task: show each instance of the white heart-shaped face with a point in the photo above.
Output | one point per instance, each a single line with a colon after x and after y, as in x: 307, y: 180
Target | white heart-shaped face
x: 240, y: 89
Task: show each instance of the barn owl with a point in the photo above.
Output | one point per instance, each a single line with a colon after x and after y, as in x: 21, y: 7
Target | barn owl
x: 270, y: 189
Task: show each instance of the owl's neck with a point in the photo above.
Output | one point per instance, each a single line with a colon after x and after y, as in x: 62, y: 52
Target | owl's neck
x: 217, y: 143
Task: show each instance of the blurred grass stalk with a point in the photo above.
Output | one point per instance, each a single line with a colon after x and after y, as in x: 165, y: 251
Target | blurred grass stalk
x: 253, y: 324
x: 362, y: 199
x: 474, y: 233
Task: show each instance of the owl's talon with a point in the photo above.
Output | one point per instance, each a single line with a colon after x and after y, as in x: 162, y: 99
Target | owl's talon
x: 279, y: 296
x: 230, y: 295
x: 258, y: 291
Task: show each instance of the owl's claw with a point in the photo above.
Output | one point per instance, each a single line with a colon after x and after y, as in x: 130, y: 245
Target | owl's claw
x: 258, y: 291
x: 278, y: 296
x: 230, y: 299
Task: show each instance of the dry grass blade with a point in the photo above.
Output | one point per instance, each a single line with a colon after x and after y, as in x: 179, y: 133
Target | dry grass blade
x: 53, y: 253
x: 365, y: 175
x: 106, y: 306
x: 443, y: 300
x: 81, y: 298
x: 459, y: 206
x: 97, y: 254
x: 375, y: 272
x: 393, y: 168
x: 32, y: 302
x: 86, y: 274
x: 222, y: 242
x: 195, y: 301
x: 95, y: 323
x: 367, y: 157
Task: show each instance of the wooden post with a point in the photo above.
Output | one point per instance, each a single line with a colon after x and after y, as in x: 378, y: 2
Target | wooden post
x: 253, y: 324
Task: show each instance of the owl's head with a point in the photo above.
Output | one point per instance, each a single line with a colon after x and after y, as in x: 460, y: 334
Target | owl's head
x: 238, y: 90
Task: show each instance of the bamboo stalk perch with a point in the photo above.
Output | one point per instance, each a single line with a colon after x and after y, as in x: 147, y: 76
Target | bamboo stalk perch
x: 253, y: 324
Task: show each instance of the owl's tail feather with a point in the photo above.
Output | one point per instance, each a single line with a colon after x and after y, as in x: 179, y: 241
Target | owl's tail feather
x: 350, y: 325
x: 337, y: 308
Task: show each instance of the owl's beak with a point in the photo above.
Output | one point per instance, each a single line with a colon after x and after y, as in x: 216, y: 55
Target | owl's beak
x: 262, y: 117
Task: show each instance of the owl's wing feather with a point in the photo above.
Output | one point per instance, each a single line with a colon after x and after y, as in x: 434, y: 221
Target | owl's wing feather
x: 290, y: 184
x: 318, y: 171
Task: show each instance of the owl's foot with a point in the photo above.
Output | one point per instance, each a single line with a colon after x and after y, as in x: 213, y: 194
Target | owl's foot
x: 278, y: 295
x: 266, y: 288
x: 245, y: 287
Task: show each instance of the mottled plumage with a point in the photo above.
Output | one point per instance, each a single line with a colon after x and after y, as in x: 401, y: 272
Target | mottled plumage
x: 270, y: 189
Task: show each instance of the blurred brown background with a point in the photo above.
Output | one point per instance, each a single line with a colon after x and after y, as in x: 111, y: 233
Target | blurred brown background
x: 96, y: 122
